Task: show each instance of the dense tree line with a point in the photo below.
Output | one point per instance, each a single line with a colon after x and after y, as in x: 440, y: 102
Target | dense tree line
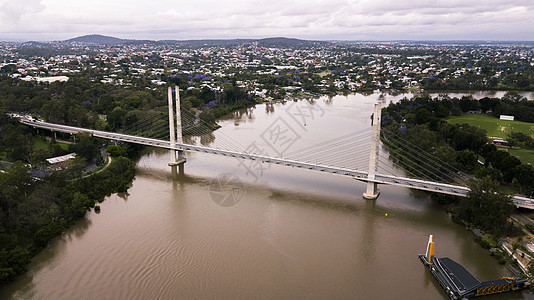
x: 87, y: 103
x: 486, y: 207
x: 16, y: 142
x: 510, y: 104
x: 34, y: 211
x: 420, y: 121
x: 517, y: 75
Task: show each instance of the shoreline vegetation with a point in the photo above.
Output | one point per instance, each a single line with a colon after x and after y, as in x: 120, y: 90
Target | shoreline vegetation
x: 35, y: 211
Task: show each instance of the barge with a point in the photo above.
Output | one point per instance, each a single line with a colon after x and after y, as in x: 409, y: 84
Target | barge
x: 459, y: 283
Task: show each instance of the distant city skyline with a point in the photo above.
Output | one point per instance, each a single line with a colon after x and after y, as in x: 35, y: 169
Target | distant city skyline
x: 47, y: 20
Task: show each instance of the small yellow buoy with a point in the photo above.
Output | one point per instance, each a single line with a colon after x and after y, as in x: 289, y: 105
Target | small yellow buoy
x: 386, y: 214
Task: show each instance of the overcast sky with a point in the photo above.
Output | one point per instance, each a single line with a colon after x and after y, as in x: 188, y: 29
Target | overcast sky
x: 42, y: 20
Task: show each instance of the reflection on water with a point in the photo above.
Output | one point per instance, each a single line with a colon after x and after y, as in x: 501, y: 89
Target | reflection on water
x: 269, y: 108
x: 294, y: 233
x: 207, y: 139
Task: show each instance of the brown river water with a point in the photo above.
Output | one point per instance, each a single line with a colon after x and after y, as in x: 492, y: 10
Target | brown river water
x: 268, y: 233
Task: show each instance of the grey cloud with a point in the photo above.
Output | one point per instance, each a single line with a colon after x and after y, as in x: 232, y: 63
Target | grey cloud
x: 333, y: 19
x: 11, y: 11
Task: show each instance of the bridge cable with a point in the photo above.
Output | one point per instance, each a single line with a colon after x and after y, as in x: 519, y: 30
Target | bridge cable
x: 433, y: 159
x: 412, y: 160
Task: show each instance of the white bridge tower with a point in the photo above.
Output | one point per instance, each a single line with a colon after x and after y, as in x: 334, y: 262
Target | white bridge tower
x: 372, y: 190
x: 177, y: 154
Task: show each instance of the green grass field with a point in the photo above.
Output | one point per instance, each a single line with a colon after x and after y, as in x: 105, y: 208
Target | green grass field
x: 493, y: 126
x: 525, y: 156
x: 500, y: 128
x: 39, y: 143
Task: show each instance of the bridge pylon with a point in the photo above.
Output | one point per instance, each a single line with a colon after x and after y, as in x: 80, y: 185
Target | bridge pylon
x: 177, y: 155
x: 372, y: 191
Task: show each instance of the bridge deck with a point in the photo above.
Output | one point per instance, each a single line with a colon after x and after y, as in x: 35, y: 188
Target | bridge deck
x: 418, y: 184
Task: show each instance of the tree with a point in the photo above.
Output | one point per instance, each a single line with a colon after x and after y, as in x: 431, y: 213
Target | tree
x: 487, y: 104
x: 13, y: 260
x: 524, y: 175
x: 17, y: 141
x: 442, y: 111
x: 54, y: 111
x: 503, y: 162
x: 38, y: 157
x: 132, y: 102
x: 467, y: 159
x: 18, y: 177
x: 486, y: 206
x: 56, y: 150
x: 15, y: 186
x: 422, y: 115
x: 464, y: 136
x: 466, y: 103
x: 104, y: 103
x: 116, y: 118
x: 520, y: 139
x: 85, y: 146
x: 39, y: 208
x: 23, y: 148
x: 116, y: 150
x: 486, y: 149
x: 207, y: 116
x: 511, y: 96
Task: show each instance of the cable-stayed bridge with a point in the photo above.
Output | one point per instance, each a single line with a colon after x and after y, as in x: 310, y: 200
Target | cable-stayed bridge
x: 347, y: 155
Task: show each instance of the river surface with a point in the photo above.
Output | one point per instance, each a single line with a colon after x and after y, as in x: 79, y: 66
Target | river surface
x: 231, y: 229
x: 476, y: 94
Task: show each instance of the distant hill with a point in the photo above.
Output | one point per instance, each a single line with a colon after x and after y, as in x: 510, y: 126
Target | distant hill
x: 98, y: 39
x: 288, y: 42
x: 267, y: 42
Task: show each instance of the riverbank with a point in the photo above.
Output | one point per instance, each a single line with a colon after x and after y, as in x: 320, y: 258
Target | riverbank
x: 516, y: 253
x: 61, y: 201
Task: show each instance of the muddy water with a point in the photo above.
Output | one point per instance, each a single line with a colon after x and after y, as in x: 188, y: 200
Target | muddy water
x: 287, y: 233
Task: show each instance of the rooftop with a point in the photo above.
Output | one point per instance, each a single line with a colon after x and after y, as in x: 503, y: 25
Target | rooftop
x: 59, y: 159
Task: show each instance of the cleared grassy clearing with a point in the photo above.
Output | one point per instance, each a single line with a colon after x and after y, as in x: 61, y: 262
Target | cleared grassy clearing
x: 500, y: 128
x: 40, y: 143
x: 493, y: 126
x: 526, y: 156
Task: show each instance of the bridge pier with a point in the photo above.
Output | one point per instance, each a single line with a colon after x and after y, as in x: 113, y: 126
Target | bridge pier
x: 372, y: 192
x: 177, y: 158
x: 177, y: 155
x: 177, y: 171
